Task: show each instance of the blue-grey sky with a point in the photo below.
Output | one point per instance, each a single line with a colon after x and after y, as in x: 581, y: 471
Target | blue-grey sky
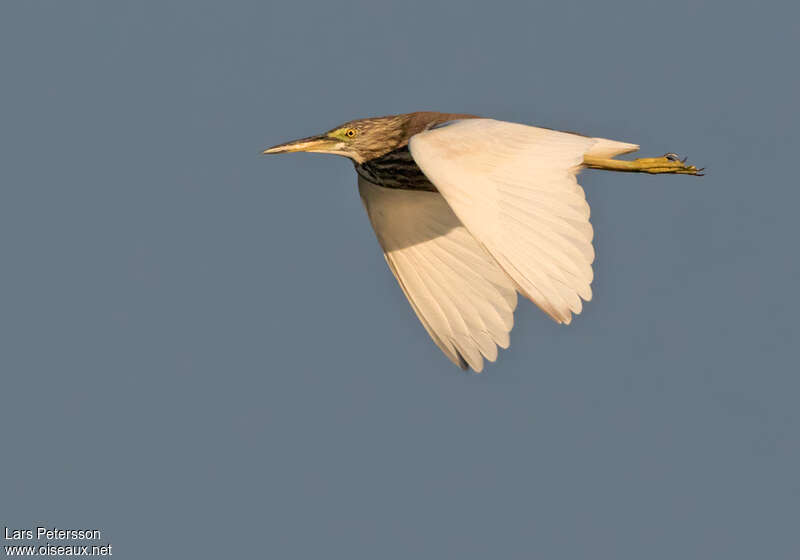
x: 204, y: 355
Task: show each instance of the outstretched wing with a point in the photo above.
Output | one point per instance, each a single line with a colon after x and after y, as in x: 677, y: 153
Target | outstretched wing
x: 464, y: 300
x: 514, y: 188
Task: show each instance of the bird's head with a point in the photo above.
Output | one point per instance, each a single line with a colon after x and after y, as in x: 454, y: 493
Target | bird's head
x: 360, y: 140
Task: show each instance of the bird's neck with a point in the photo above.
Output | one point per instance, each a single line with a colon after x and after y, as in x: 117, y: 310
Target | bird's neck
x: 395, y: 170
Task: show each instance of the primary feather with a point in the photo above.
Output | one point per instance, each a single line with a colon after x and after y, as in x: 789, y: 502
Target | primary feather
x: 460, y: 295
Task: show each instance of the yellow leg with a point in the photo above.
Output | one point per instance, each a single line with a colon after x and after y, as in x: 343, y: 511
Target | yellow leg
x: 668, y: 163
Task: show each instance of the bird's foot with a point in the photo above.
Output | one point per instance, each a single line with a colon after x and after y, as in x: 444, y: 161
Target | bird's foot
x: 668, y: 163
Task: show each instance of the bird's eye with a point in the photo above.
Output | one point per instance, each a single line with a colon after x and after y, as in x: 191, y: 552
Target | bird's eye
x: 350, y: 132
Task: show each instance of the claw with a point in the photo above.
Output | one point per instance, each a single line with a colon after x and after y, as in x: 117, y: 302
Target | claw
x: 684, y: 159
x: 672, y: 156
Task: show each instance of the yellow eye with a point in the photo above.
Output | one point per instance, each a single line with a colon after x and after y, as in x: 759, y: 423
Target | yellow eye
x: 350, y: 132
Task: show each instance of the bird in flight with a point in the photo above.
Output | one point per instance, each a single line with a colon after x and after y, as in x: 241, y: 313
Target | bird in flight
x: 469, y: 211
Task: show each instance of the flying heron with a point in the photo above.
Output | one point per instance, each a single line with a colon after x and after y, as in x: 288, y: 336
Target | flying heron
x: 469, y: 211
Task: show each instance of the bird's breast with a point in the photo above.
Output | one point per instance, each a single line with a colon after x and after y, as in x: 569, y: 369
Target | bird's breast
x: 395, y: 170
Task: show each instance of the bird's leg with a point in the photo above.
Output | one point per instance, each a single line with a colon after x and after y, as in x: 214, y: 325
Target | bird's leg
x: 668, y: 163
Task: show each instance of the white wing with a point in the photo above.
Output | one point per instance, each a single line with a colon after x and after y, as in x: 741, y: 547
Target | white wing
x: 464, y: 300
x: 514, y: 188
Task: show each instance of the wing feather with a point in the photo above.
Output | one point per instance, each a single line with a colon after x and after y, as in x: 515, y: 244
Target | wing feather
x: 514, y: 188
x: 462, y: 297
